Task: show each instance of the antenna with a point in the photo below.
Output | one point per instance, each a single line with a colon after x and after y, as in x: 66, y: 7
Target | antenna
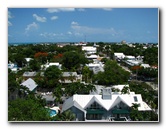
x: 85, y: 39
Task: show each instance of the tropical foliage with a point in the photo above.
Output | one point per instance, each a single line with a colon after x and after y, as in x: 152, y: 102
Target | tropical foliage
x: 113, y: 74
x: 29, y: 109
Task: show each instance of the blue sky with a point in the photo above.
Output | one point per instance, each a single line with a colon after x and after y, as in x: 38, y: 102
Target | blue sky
x: 74, y: 24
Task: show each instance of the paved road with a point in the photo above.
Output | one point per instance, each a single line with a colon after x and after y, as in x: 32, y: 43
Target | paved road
x: 125, y: 68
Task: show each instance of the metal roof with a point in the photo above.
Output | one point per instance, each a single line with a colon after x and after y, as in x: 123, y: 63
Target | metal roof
x: 30, y: 84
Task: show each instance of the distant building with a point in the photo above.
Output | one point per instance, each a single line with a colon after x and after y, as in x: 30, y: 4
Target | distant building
x: 91, y: 57
x: 145, y: 65
x: 119, y: 56
x: 123, y: 42
x: 89, y: 49
x: 27, y: 75
x: 129, y: 57
x: 69, y: 77
x: 51, y: 64
x: 13, y: 67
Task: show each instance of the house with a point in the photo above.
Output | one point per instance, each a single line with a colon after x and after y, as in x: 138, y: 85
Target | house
x: 130, y: 57
x: 104, y: 107
x: 145, y: 65
x: 30, y: 84
x: 13, y: 67
x: 50, y: 99
x: 96, y: 67
x: 69, y: 77
x: 133, y: 62
x: 27, y: 75
x: 89, y: 49
x: 91, y: 57
x: 51, y: 64
x: 118, y: 56
x: 28, y: 59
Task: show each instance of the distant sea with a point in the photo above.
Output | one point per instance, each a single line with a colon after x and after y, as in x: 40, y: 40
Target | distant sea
x: 26, y: 43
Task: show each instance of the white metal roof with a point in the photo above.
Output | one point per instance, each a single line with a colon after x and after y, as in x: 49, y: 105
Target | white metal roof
x: 92, y: 56
x: 84, y: 100
x: 145, y: 65
x: 88, y: 48
x: 118, y: 54
x: 30, y: 84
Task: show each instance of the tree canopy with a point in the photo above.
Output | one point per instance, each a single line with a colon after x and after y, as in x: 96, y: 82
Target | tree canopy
x: 113, y: 74
x: 52, y: 75
x: 29, y: 109
x: 73, y: 59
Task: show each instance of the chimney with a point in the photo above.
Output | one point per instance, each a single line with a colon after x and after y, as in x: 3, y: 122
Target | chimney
x: 107, y: 94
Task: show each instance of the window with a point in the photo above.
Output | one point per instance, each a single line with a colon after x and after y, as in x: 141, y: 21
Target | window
x: 135, y: 99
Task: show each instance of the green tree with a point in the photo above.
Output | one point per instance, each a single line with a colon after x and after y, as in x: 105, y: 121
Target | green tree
x: 135, y: 115
x: 86, y: 73
x: 65, y: 116
x: 113, y: 74
x: 29, y: 109
x: 34, y: 65
x: 58, y: 93
x: 52, y: 75
x: 73, y: 59
x: 78, y: 88
x: 13, y: 85
x: 125, y: 90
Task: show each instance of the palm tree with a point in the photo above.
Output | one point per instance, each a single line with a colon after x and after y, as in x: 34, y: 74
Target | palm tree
x: 68, y: 116
x: 65, y: 116
x: 135, y: 114
x: 125, y: 90
x: 58, y: 93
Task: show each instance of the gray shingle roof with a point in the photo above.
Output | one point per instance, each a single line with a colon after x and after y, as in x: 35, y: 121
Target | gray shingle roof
x: 29, y: 74
x: 68, y: 74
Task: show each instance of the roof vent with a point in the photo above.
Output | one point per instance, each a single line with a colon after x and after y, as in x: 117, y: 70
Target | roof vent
x: 107, y: 94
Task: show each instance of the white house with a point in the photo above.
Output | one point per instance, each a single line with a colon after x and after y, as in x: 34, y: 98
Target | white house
x: 30, y: 84
x: 92, y: 56
x: 129, y: 57
x: 104, y: 107
x: 69, y: 77
x: 145, y: 65
x: 119, y: 55
x: 96, y: 67
x: 51, y: 64
x: 89, y: 49
x: 13, y: 67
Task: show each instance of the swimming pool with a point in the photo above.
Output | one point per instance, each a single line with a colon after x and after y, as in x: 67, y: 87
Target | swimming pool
x: 52, y: 112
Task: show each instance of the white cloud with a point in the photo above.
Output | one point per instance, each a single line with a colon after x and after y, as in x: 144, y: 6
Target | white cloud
x: 9, y: 15
x: 54, y: 17
x: 40, y: 19
x: 55, y: 10
x: 9, y: 23
x: 31, y: 27
x: 80, y: 30
x: 73, y: 23
x: 69, y: 32
x: 51, y: 35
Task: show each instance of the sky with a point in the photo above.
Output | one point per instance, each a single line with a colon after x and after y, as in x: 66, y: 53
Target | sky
x: 83, y: 24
